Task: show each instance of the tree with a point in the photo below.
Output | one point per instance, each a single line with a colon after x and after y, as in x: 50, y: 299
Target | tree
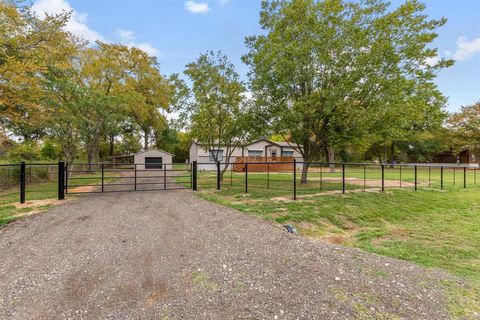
x: 465, y: 125
x: 28, y: 46
x: 326, y: 70
x: 214, y: 108
x: 152, y: 94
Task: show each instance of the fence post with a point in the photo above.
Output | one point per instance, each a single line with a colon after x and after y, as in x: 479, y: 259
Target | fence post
x: 194, y: 175
x: 429, y: 176
x: 103, y: 175
x: 135, y: 176
x: 400, y: 176
x: 246, y: 177
x: 61, y: 180
x: 343, y: 177
x: 464, y: 177
x: 218, y: 175
x: 295, y: 179
x: 454, y: 175
x: 475, y: 176
x: 268, y: 175
x: 364, y: 176
x: 164, y: 176
x: 321, y: 174
x: 416, y: 180
x: 22, y: 182
x: 383, y: 177
x: 441, y: 177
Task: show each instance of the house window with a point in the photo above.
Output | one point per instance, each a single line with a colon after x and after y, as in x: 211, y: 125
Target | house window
x: 216, y: 155
x: 273, y: 153
x: 287, y: 153
x: 255, y: 153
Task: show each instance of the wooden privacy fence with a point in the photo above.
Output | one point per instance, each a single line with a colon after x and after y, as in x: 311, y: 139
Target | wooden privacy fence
x: 264, y: 164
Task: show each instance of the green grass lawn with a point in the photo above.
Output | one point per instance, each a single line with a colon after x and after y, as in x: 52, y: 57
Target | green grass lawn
x: 358, y: 177
x: 430, y: 227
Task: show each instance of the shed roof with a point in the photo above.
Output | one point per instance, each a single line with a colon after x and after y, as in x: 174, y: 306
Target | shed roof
x: 154, y: 149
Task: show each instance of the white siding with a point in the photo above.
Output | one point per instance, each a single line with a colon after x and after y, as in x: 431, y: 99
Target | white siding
x: 167, y: 159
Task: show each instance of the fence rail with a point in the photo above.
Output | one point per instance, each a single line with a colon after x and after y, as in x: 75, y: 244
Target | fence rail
x: 59, y: 179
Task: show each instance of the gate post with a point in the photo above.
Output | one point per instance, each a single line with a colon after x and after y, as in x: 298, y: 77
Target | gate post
x: 464, y: 177
x: 295, y: 179
x: 416, y: 178
x: 218, y: 175
x: 61, y: 180
x: 135, y: 176
x: 441, y: 177
x: 22, y: 182
x: 194, y: 175
x: 343, y: 177
x: 164, y: 177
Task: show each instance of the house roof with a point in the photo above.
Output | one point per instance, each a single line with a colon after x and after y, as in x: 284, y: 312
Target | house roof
x: 154, y: 149
x: 277, y: 143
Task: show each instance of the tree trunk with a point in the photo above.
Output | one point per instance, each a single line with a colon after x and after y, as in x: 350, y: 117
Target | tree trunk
x: 305, y: 167
x: 331, y: 158
x: 111, y: 140
x: 384, y: 153
x: 145, y: 141
x: 392, y: 154
x: 92, y: 153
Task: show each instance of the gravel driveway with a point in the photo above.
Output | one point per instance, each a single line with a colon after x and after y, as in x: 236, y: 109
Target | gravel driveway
x: 171, y: 255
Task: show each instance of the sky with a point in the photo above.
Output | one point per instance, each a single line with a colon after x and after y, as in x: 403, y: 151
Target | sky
x: 177, y: 31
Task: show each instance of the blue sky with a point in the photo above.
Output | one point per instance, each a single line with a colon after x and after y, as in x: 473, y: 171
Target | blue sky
x: 177, y: 31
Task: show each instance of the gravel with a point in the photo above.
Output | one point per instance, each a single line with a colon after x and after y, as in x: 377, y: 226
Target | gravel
x: 171, y: 255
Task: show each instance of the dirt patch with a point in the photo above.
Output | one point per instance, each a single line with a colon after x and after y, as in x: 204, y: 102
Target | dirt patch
x: 83, y: 189
x: 37, y: 203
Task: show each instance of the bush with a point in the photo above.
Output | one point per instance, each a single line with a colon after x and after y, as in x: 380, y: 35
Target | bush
x: 26, y: 151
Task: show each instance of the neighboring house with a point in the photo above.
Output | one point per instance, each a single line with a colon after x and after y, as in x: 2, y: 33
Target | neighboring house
x: 153, y: 159
x: 205, y: 157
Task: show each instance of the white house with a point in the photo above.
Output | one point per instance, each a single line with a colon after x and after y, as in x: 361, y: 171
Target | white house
x: 205, y: 157
x: 153, y: 159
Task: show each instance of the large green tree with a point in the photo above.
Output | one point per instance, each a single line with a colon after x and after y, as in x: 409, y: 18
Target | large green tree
x: 327, y: 71
x: 28, y: 46
x: 214, y: 108
x: 465, y: 125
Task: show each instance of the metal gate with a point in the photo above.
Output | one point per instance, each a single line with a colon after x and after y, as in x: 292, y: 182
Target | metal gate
x: 115, y: 177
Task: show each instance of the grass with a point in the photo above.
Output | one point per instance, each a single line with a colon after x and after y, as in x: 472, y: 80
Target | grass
x: 430, y: 227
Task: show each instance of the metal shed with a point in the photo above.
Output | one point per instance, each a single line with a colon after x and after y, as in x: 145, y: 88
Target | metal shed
x: 153, y: 159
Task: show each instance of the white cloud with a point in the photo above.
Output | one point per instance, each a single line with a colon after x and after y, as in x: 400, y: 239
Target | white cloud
x: 432, y: 61
x: 197, y: 7
x: 127, y: 37
x: 466, y: 49
x: 77, y: 23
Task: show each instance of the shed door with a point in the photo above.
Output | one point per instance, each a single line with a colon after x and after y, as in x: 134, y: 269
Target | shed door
x: 153, y: 163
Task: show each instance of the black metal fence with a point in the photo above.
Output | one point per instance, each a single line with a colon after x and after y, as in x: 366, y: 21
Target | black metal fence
x: 40, y: 181
x: 330, y: 177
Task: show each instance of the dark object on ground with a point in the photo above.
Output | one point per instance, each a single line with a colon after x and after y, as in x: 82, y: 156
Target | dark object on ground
x: 290, y: 228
